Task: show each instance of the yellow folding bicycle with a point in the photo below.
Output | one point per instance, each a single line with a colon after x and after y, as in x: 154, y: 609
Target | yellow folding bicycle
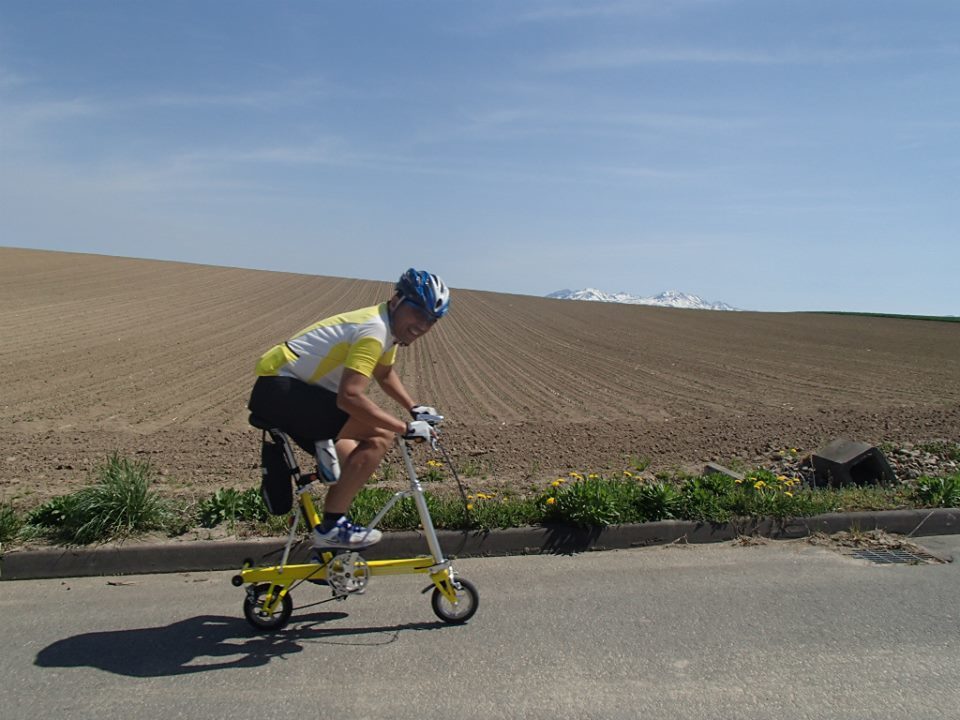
x: 268, y: 603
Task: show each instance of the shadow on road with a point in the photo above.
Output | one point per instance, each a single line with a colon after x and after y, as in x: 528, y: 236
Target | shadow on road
x: 206, y: 643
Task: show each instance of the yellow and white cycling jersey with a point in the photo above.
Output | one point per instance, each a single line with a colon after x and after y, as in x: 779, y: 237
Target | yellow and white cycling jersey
x: 359, y: 340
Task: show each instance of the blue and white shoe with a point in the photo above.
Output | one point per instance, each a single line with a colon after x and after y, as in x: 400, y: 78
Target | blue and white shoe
x: 346, y: 535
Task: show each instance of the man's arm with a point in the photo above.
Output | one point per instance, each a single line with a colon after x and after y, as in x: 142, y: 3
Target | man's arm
x: 389, y: 380
x: 352, y: 399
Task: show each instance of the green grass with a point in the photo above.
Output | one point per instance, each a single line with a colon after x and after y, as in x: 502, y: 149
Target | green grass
x: 10, y: 523
x: 476, y: 468
x: 942, y: 448
x: 932, y: 318
x: 120, y: 504
x: 590, y: 501
x: 230, y: 506
x: 938, y: 492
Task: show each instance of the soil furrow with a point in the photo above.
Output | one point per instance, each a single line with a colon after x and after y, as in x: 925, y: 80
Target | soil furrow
x: 156, y: 358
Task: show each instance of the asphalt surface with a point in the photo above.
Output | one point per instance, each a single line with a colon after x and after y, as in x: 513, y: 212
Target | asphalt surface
x: 780, y: 629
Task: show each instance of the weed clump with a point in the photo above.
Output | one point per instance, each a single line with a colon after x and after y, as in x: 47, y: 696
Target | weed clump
x: 120, y: 504
x: 230, y: 506
x: 938, y: 492
x: 10, y: 523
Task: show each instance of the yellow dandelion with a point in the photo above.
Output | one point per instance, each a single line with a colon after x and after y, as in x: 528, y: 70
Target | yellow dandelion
x: 593, y: 476
x: 788, y: 493
x: 627, y: 473
x: 739, y: 481
x: 556, y: 483
x: 759, y: 485
x: 782, y: 478
x: 551, y: 501
x: 469, y: 506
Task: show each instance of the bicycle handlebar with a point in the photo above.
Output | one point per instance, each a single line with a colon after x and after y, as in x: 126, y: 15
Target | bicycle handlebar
x: 432, y: 421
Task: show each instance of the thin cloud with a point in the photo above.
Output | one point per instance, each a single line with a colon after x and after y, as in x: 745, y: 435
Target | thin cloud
x: 10, y: 79
x: 292, y: 92
x: 562, y: 12
x: 643, y: 173
x: 576, y: 11
x: 330, y: 151
x: 22, y: 124
x: 616, y: 58
x: 686, y: 122
x: 559, y: 118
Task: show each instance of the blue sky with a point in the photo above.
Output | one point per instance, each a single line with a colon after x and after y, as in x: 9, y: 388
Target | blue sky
x: 775, y: 155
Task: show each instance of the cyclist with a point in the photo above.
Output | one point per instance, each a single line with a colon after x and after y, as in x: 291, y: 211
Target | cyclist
x: 312, y: 387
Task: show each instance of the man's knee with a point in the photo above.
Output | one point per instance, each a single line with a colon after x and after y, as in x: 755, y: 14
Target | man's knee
x: 381, y: 441
x: 372, y: 437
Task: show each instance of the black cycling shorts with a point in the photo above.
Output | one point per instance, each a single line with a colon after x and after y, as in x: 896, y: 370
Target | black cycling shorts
x: 305, y: 412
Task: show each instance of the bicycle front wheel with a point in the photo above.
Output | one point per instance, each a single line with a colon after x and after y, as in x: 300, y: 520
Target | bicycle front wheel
x: 456, y: 613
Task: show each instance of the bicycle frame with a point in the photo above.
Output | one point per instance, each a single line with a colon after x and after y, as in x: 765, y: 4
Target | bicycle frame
x: 281, y: 577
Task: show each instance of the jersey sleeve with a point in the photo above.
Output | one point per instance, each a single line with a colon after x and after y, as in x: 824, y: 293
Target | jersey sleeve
x: 363, y: 355
x: 389, y: 357
x: 366, y: 350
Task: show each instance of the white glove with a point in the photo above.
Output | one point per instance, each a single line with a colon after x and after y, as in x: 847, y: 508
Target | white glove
x: 427, y: 413
x: 418, y: 431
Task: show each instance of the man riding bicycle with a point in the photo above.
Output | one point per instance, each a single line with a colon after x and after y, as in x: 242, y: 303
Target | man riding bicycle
x: 312, y: 387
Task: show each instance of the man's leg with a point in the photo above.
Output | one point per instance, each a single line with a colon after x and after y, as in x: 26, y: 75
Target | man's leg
x: 361, y: 448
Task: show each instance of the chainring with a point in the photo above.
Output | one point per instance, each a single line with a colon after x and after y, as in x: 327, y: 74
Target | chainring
x: 348, y: 573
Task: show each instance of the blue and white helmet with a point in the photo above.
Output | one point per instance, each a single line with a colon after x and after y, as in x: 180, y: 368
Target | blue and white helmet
x: 426, y: 291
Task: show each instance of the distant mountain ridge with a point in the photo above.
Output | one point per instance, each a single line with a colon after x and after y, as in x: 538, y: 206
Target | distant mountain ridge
x: 670, y: 298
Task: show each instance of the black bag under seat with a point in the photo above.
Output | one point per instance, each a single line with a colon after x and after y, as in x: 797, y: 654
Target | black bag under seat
x: 276, y: 486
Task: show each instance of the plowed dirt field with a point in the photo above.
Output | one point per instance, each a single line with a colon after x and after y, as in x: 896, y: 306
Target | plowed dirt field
x: 154, y: 360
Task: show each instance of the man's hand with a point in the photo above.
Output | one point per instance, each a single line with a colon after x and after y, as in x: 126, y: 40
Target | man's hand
x: 422, y: 410
x: 426, y: 413
x: 418, y: 431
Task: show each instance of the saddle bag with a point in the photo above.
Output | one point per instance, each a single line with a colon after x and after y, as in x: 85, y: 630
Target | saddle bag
x: 276, y: 485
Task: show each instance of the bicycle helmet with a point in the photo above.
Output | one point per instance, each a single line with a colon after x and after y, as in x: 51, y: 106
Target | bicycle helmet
x: 426, y: 291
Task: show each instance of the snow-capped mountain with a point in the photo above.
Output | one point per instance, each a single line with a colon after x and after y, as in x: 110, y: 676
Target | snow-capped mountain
x: 670, y: 298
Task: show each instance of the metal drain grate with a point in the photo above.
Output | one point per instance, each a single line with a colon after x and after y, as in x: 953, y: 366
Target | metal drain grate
x: 894, y: 557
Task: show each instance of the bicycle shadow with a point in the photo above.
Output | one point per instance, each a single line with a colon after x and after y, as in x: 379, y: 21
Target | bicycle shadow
x: 204, y: 644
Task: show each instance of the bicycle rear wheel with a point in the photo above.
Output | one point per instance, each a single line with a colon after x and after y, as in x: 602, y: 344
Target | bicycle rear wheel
x: 260, y: 619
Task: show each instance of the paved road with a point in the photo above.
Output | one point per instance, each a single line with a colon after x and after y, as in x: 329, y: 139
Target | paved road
x: 780, y: 630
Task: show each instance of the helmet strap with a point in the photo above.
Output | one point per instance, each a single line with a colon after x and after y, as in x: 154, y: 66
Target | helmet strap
x: 392, y: 304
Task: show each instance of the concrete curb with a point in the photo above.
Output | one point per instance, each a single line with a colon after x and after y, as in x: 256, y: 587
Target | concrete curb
x: 134, y: 558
